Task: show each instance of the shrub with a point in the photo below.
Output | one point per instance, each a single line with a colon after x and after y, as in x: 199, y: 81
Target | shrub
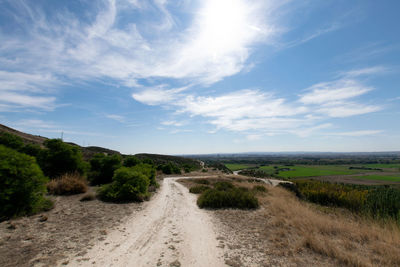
x: 223, y: 186
x: 11, y: 141
x: 60, y: 158
x: 201, y: 181
x: 170, y: 168
x: 128, y: 185
x: 291, y: 187
x: 102, y: 168
x: 32, y: 150
x: 149, y: 171
x: 67, y: 184
x: 198, y: 189
x: 131, y: 161
x: 22, y: 185
x: 233, y: 198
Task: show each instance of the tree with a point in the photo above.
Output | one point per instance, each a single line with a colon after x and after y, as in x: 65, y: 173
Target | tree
x: 60, y: 158
x: 102, y: 168
x: 128, y: 184
x: 11, y: 141
x: 131, y: 161
x: 22, y: 184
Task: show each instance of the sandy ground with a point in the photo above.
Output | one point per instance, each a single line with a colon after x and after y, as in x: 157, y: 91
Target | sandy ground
x: 70, y: 228
x: 170, y: 231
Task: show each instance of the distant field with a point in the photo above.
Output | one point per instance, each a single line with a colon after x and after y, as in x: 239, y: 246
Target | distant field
x: 236, y: 167
x: 305, y: 171
x: 309, y: 170
x: 391, y: 178
x: 383, y: 166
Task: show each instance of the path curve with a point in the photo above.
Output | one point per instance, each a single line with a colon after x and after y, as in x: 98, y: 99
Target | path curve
x: 170, y: 231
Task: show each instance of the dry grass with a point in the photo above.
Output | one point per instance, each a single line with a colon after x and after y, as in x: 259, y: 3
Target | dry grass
x: 348, y: 239
x: 67, y: 184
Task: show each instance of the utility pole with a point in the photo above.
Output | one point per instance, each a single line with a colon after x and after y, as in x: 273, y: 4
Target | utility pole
x: 62, y: 136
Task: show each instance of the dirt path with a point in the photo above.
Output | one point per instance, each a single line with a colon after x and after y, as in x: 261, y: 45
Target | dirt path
x: 169, y: 231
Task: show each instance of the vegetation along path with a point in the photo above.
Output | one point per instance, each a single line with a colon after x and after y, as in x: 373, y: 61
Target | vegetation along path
x: 170, y: 231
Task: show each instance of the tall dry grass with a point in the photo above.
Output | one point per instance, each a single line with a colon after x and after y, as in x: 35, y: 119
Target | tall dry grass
x: 67, y: 184
x: 342, y: 236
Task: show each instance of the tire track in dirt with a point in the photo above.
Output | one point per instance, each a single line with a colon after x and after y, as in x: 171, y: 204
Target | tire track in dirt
x: 170, y: 231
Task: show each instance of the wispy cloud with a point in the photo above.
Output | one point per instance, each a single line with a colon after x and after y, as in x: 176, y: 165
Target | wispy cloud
x: 215, y: 44
x: 172, y: 123
x: 334, y: 98
x: 358, y: 133
x: 115, y: 117
x: 264, y: 113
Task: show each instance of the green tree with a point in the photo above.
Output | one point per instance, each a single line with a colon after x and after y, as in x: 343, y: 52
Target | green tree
x: 22, y: 184
x: 60, y: 158
x: 128, y: 185
x: 11, y: 140
x: 131, y: 161
x: 102, y: 168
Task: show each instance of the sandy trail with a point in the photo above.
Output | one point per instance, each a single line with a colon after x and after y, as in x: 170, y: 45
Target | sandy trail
x: 170, y: 231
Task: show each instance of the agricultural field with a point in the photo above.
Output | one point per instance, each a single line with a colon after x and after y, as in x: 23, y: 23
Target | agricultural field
x: 236, y: 167
x: 309, y: 170
x: 388, y: 172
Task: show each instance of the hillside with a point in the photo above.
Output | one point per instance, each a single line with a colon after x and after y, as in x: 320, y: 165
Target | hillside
x: 87, y: 152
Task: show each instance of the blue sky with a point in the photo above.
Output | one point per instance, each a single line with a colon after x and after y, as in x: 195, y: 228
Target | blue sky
x: 210, y: 76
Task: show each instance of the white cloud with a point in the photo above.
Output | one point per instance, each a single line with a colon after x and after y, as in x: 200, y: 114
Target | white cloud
x: 358, y: 133
x: 328, y: 92
x: 115, y: 117
x: 216, y: 42
x: 333, y: 98
x: 27, y: 101
x: 157, y: 95
x: 172, y: 123
x: 347, y: 109
x: 366, y: 71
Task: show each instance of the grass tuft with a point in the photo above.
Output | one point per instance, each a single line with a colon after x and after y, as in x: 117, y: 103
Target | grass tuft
x: 67, y: 184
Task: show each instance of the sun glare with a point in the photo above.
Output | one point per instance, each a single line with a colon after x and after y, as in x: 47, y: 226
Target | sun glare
x: 224, y: 25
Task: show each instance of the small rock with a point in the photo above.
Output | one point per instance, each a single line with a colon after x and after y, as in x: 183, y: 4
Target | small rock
x: 65, y: 263
x: 103, y: 232
x: 175, y: 264
x: 43, y: 218
x: 11, y: 226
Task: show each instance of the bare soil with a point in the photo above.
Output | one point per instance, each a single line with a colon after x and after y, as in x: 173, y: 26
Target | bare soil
x: 169, y: 231
x: 71, y: 227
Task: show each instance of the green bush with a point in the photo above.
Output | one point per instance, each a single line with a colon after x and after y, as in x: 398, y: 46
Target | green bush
x: 223, y: 186
x: 22, y: 185
x: 128, y: 185
x: 232, y: 198
x: 383, y: 202
x: 148, y: 170
x: 11, y: 141
x: 131, y: 161
x: 198, y: 189
x: 375, y: 201
x: 60, y: 158
x: 102, y: 168
x: 170, y: 168
x: 201, y: 181
x: 31, y: 150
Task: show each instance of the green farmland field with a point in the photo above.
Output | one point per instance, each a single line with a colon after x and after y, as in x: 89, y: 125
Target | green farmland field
x: 322, y: 170
x: 236, y: 167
